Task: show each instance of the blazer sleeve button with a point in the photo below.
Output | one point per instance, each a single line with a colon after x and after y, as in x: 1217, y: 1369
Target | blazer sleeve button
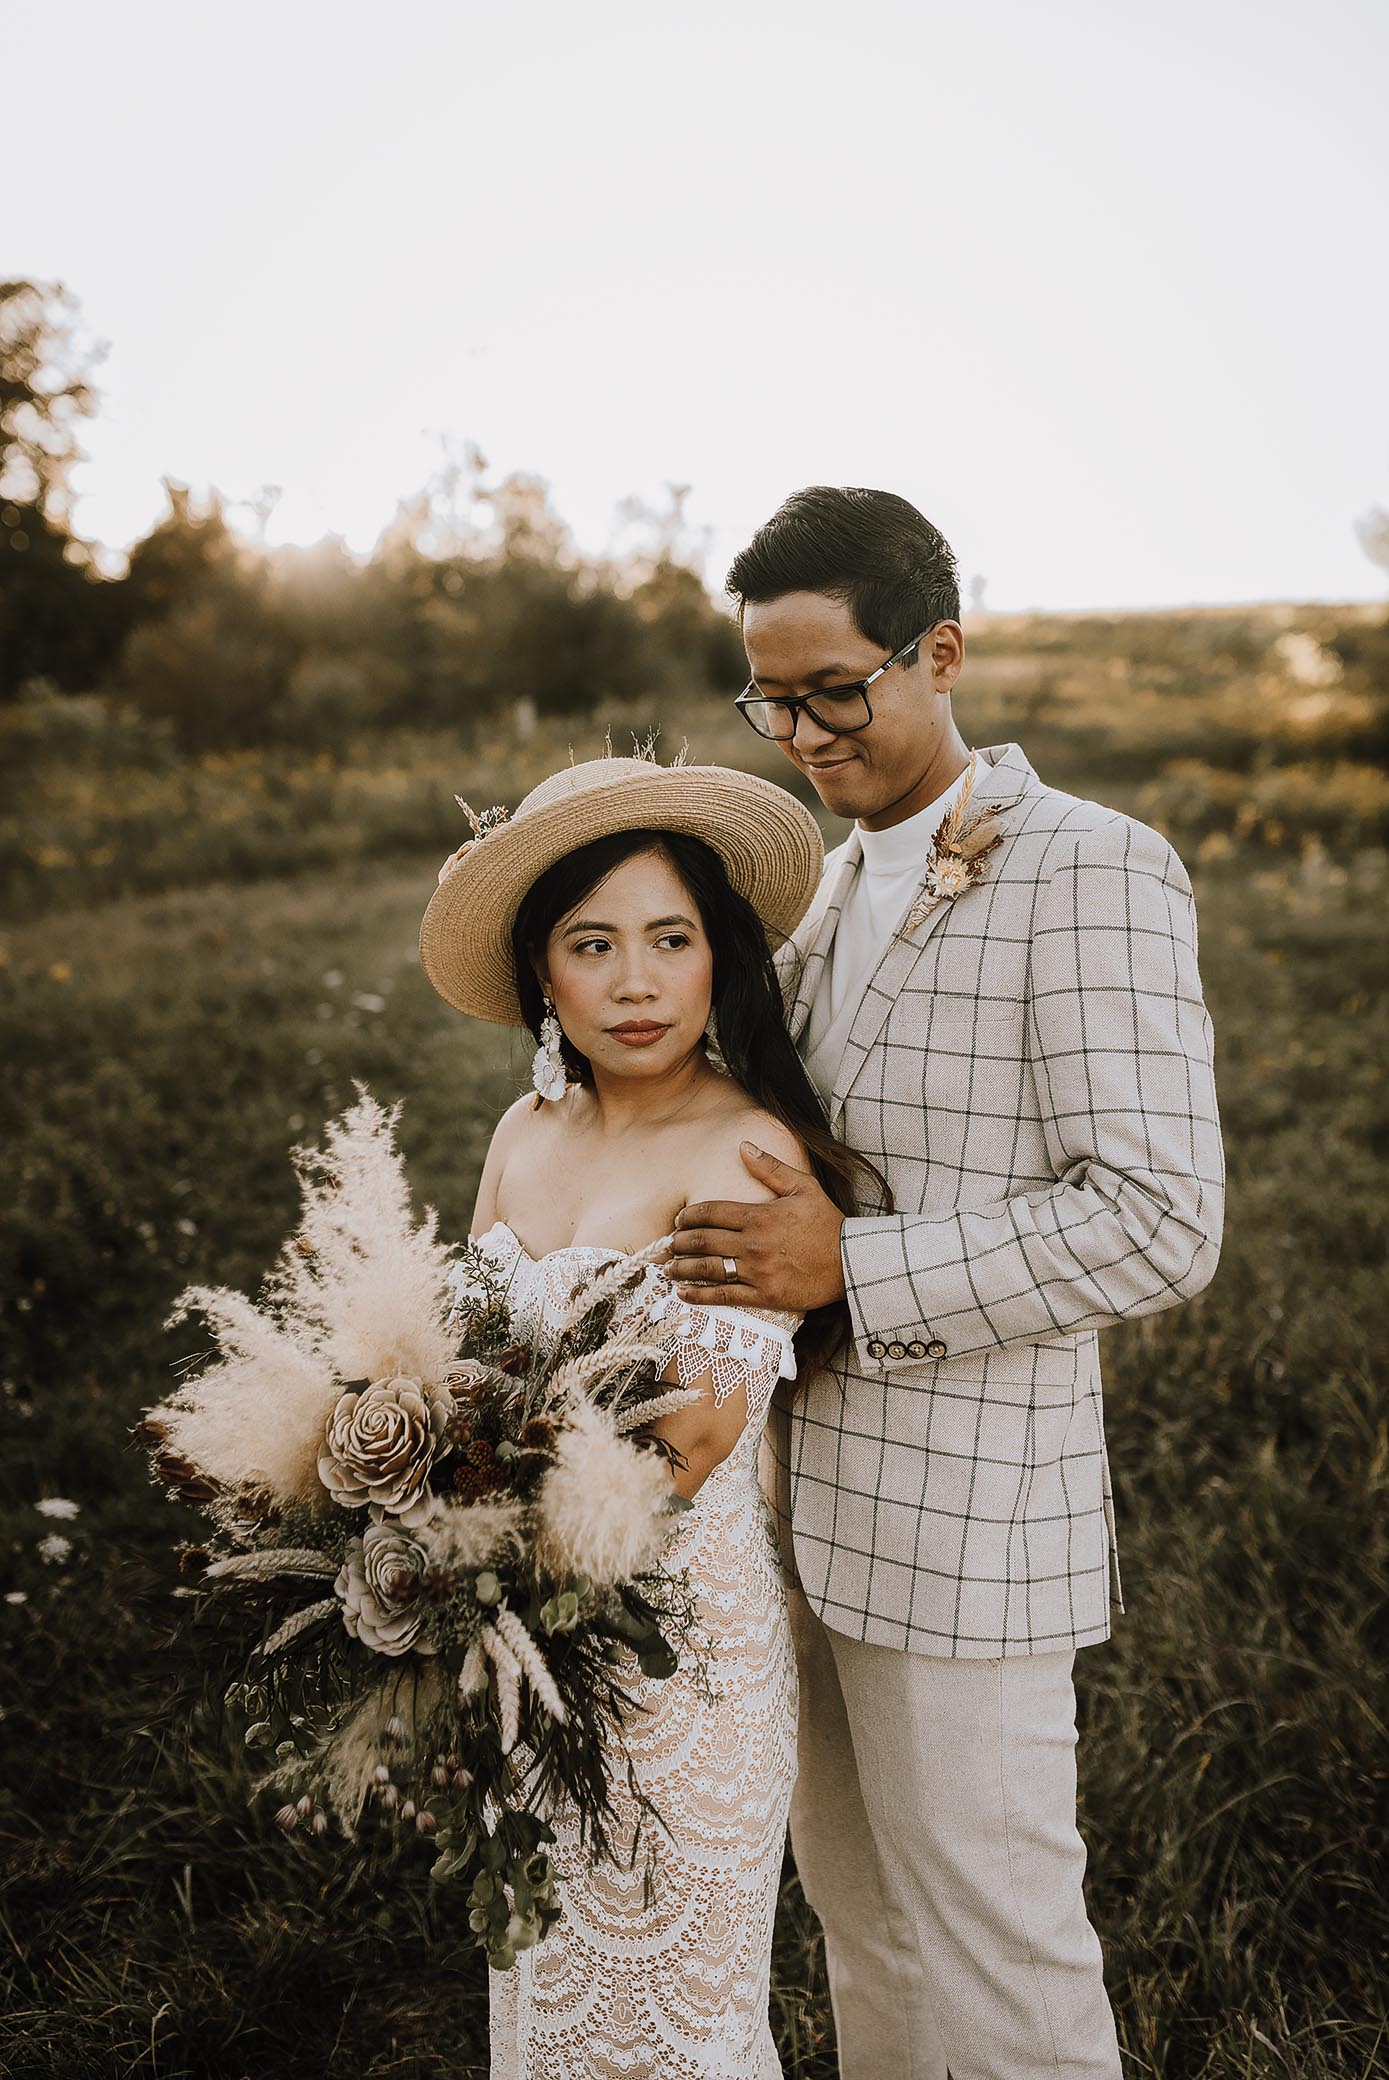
x: 897, y: 1350
x: 935, y: 1348
x: 917, y: 1348
x: 876, y: 1347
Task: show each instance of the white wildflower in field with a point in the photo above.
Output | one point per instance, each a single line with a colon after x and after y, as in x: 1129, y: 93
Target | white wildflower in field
x: 16, y: 1596
x: 55, y: 1547
x: 57, y: 1506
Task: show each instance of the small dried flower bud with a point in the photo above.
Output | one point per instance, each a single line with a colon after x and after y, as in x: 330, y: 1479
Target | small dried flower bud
x: 287, y: 1818
x: 193, y: 1559
x: 453, y: 1760
x: 439, y: 1776
x: 304, y: 1807
x: 172, y: 1468
x: 395, y: 1727
x: 256, y: 1502
x: 426, y: 1822
x: 381, y: 1775
x: 390, y: 1797
x: 150, y: 1430
x: 408, y: 1810
x: 320, y: 1823
x: 202, y: 1488
x: 462, y: 1778
x: 514, y: 1361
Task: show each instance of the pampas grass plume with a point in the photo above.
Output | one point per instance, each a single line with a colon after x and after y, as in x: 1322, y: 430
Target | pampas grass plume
x: 357, y: 1292
x: 257, y: 1413
x: 365, y: 1283
x: 602, y: 1507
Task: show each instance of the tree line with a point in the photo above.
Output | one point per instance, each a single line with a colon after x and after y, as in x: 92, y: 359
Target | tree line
x: 474, y: 601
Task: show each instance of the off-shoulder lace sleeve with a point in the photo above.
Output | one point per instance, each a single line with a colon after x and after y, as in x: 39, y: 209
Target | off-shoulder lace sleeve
x: 734, y: 1345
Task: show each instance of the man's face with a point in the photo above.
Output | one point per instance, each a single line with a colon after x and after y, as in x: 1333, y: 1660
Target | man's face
x: 805, y: 641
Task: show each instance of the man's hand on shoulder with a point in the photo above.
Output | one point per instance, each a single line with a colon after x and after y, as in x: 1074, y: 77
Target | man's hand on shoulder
x: 783, y: 1243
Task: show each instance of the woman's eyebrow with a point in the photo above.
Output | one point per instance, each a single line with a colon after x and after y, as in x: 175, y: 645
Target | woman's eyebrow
x: 657, y: 924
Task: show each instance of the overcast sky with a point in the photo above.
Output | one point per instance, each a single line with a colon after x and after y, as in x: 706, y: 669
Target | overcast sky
x: 1100, y: 286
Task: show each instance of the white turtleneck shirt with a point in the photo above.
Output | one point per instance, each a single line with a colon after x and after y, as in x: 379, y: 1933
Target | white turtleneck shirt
x: 878, y: 897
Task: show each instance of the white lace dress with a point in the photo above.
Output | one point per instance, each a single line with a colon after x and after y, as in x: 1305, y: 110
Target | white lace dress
x: 677, y: 1990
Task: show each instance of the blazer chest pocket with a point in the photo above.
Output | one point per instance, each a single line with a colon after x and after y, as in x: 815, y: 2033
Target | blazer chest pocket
x: 969, y: 1059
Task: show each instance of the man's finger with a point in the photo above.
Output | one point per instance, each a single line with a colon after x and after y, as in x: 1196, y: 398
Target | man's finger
x: 727, y: 1214
x: 701, y: 1271
x: 768, y: 1169
x: 717, y: 1243
x: 718, y: 1296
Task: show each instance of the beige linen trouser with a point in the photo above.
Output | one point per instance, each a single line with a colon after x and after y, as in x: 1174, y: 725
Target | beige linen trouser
x: 934, y: 1829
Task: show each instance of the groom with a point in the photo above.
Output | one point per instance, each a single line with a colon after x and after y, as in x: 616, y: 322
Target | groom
x: 996, y: 993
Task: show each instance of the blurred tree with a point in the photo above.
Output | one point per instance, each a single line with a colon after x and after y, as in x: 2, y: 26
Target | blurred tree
x: 58, y: 618
x: 44, y: 395
x: 188, y: 553
x: 208, y: 650
x: 1373, y: 530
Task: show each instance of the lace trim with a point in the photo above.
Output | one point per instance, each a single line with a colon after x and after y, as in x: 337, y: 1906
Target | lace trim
x: 736, y: 1346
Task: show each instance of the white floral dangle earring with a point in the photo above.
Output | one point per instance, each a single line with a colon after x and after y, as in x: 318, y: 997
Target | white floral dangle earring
x: 548, y: 1073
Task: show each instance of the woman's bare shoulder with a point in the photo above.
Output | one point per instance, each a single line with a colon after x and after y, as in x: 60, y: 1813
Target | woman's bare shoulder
x: 717, y: 1170
x: 516, y: 1124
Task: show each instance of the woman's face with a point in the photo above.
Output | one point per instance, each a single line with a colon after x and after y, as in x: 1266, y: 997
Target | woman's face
x: 631, y: 970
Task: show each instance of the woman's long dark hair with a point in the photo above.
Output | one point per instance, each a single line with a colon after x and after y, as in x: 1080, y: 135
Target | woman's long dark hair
x: 749, y: 1020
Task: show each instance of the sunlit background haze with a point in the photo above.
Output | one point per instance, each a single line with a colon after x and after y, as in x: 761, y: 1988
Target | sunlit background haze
x: 1100, y: 287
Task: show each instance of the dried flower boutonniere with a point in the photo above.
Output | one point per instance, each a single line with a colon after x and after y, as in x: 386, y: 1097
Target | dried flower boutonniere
x: 958, y: 851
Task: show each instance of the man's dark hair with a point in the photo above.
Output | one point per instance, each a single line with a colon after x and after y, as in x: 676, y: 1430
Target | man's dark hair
x: 895, y: 572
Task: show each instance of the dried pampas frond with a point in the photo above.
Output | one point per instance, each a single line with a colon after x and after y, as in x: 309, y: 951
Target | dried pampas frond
x: 347, y: 1753
x: 603, y: 1504
x: 256, y: 1414
x: 360, y: 1280
x: 470, y: 1534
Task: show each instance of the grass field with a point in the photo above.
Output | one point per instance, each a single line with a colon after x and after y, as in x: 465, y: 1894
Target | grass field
x: 170, y: 1031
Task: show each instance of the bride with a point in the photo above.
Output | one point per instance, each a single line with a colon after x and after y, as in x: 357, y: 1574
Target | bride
x: 622, y: 914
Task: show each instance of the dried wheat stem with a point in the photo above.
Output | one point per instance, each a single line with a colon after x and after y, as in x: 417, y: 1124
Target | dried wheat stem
x: 532, y: 1661
x: 265, y: 1566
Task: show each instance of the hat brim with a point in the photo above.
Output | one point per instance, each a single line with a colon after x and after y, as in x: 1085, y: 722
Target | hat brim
x: 769, y: 843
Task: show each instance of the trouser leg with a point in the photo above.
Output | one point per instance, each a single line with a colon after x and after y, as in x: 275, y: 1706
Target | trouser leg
x: 882, y: 2011
x: 967, y: 1774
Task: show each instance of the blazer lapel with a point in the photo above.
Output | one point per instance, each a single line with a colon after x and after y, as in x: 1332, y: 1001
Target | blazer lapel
x: 810, y: 943
x: 1003, y: 775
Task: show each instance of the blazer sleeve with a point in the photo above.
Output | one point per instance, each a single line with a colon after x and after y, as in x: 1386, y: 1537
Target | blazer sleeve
x: 1122, y: 1056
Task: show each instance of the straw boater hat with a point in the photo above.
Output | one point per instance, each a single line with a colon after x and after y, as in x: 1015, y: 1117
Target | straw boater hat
x: 769, y: 844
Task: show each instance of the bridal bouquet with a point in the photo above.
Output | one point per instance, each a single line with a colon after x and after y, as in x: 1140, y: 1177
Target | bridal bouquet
x: 453, y: 1538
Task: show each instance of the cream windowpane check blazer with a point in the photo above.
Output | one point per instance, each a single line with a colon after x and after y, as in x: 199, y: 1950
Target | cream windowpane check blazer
x: 1032, y: 1069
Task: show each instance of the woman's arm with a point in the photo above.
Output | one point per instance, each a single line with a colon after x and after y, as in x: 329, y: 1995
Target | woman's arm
x: 705, y: 1431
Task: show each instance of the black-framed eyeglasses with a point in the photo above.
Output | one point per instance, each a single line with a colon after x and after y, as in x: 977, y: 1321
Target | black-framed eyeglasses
x: 839, y: 709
